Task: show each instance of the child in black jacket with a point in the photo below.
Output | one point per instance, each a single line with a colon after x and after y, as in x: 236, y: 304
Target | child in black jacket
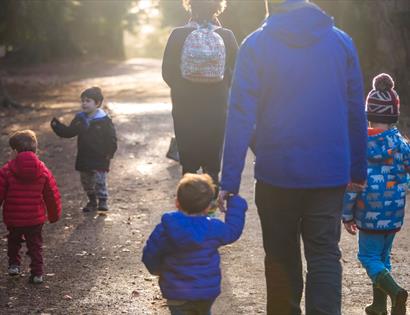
x: 96, y: 145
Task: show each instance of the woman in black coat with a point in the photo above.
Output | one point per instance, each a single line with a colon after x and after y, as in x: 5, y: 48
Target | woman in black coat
x: 199, y: 109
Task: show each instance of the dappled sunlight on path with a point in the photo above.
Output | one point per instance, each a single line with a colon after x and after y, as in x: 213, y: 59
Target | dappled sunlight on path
x: 139, y: 108
x: 95, y: 259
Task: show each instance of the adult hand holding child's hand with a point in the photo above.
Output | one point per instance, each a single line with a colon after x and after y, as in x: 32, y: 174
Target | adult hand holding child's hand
x: 222, y: 200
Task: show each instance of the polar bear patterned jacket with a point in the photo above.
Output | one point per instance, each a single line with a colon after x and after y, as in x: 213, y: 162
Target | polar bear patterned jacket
x: 380, y: 207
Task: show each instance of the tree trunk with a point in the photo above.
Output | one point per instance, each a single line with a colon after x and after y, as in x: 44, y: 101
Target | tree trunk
x: 5, y: 100
x: 381, y: 31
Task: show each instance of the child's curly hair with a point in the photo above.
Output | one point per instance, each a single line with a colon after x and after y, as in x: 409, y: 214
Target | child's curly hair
x: 204, y: 9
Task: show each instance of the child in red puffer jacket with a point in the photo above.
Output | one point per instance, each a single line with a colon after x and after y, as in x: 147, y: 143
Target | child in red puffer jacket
x: 29, y: 194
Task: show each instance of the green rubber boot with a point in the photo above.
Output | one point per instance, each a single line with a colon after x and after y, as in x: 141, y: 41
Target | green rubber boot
x: 379, y: 305
x: 398, y: 295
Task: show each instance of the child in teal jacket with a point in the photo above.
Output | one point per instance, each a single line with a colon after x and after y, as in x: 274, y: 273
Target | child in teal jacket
x: 378, y: 210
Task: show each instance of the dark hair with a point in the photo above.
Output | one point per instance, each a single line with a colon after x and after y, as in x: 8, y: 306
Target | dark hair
x: 94, y: 93
x: 204, y: 9
x: 24, y: 140
x: 195, y: 192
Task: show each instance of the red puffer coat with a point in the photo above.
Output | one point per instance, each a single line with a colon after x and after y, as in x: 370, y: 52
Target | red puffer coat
x: 29, y: 192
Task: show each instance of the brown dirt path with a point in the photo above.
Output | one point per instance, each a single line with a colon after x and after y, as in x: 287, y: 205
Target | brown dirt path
x: 93, y: 262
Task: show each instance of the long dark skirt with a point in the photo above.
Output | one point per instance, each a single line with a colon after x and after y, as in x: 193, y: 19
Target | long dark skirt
x: 199, y: 123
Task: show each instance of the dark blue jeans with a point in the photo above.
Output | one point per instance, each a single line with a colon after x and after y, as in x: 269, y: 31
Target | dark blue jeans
x: 287, y: 215
x: 192, y: 308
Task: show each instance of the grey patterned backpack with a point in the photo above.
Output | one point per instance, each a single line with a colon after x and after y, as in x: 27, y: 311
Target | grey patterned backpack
x: 203, y: 55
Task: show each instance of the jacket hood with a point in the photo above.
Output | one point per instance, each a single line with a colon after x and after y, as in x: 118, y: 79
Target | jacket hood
x: 99, y: 114
x: 185, y: 230
x: 26, y: 166
x: 383, y: 145
x: 298, y: 23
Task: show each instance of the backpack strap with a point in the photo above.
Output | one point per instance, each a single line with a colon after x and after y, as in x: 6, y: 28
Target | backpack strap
x: 192, y: 24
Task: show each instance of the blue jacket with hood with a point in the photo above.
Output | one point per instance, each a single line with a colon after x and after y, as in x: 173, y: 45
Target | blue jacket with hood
x: 297, y: 88
x: 183, y: 251
x: 380, y: 207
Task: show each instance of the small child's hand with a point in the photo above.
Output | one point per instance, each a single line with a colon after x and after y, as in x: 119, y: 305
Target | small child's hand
x: 351, y: 227
x: 55, y: 122
x: 356, y: 187
x: 53, y: 219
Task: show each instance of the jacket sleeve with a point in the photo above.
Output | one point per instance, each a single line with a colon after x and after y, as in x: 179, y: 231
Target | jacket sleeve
x: 52, y: 198
x: 349, y: 203
x: 76, y: 126
x: 243, y: 105
x: 234, y: 220
x: 154, y: 250
x: 405, y: 149
x: 171, y: 72
x: 3, y: 185
x: 232, y: 50
x: 357, y: 118
x: 111, y: 140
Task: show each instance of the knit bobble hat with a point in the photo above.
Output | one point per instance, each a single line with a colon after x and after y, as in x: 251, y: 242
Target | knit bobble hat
x: 383, y: 103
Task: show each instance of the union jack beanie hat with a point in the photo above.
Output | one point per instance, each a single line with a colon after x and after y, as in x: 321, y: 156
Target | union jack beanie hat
x: 383, y: 103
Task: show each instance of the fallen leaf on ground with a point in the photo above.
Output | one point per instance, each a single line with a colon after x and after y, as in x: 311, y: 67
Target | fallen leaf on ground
x: 68, y: 297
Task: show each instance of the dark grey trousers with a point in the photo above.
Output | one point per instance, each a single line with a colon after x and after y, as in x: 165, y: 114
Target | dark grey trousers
x: 287, y: 215
x: 95, y: 183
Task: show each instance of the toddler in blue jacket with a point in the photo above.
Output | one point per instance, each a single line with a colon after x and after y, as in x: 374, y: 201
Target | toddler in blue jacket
x: 183, y: 249
x: 378, y: 210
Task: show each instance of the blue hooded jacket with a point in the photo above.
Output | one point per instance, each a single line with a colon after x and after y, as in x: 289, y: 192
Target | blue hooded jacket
x: 183, y: 251
x: 380, y: 207
x: 298, y: 92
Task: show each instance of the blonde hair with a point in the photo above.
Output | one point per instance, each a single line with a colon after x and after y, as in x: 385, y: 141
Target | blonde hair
x: 204, y: 9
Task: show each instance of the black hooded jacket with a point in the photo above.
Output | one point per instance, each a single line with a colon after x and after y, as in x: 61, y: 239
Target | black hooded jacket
x: 96, y: 142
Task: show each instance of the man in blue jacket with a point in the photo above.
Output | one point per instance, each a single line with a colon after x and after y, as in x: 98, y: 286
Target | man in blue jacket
x: 298, y: 93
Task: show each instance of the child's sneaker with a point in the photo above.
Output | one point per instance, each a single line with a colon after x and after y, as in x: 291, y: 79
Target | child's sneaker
x: 102, y: 205
x: 14, y: 270
x: 36, y: 279
x: 91, y: 204
x: 89, y: 207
